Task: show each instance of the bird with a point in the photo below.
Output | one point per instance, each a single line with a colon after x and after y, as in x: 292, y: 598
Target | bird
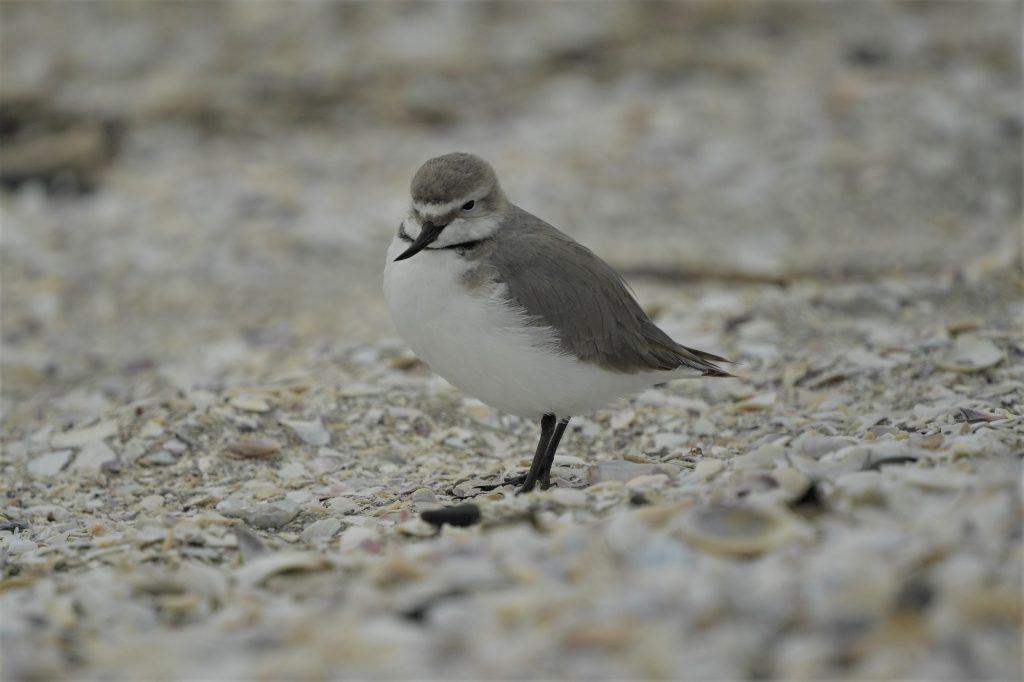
x: 517, y: 314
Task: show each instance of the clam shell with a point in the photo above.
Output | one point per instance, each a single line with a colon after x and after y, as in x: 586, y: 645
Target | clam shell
x: 736, y: 530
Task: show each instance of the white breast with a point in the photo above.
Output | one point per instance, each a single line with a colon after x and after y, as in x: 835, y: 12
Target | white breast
x: 480, y: 343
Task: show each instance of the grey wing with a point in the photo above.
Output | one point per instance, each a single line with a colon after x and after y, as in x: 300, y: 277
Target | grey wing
x: 561, y: 283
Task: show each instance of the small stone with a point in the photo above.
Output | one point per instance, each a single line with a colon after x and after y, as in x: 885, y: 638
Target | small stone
x: 50, y: 463
x: 262, y: 568
x: 151, y: 503
x: 343, y: 505
x: 93, y: 456
x: 231, y: 509
x: 250, y: 545
x: 647, y: 483
x: 359, y: 537
x: 175, y: 446
x: 621, y: 470
x: 704, y: 427
x: 325, y: 464
x: 80, y: 437
x: 670, y: 441
x: 309, y: 432
x: 249, y: 404
x: 272, y: 514
x: 736, y: 530
x: 423, y: 496
x: 622, y: 419
x: 756, y: 403
x: 161, y: 458
x: 861, y: 486
x: 151, y: 430
x: 292, y: 470
x: 15, y: 544
x: 251, y: 448
x: 970, y: 353
x: 706, y: 468
x: 459, y: 515
x: 324, y: 529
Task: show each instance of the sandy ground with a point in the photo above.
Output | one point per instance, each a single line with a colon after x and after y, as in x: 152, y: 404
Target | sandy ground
x: 215, y: 451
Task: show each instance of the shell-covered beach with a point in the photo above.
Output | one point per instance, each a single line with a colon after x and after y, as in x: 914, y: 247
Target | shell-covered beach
x: 216, y: 451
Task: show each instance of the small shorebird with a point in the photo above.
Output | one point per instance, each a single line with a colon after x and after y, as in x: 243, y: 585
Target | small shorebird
x: 517, y: 314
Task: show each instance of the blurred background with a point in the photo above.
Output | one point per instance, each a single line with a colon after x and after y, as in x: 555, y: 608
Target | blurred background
x: 226, y: 175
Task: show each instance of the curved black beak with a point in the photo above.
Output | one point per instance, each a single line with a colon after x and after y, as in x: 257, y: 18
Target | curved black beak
x: 428, y: 233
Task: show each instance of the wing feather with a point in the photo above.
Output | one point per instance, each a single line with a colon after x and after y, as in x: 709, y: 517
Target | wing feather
x: 561, y: 283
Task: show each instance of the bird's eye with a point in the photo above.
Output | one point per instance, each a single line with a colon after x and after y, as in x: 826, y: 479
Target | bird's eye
x: 468, y: 206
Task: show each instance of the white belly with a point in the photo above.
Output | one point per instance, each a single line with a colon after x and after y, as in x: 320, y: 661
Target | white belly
x: 480, y: 344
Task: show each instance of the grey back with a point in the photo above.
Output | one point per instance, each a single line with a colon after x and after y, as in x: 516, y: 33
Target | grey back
x: 562, y: 284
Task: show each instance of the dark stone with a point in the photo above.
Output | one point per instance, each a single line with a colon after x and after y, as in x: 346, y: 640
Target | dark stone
x: 459, y: 515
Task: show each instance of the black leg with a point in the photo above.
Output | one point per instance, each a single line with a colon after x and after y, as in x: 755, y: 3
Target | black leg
x: 549, y: 457
x: 547, y: 426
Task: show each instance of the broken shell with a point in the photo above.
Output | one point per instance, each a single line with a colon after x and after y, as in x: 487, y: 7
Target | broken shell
x: 249, y: 404
x: 309, y: 432
x: 736, y: 530
x: 970, y: 353
x: 261, y: 569
x: 251, y: 448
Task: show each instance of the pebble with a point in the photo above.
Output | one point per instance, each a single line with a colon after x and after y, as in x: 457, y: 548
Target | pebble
x: 970, y: 353
x: 423, y: 495
x: 756, y: 403
x: 343, y: 505
x: 272, y: 514
x: 249, y: 404
x: 309, y: 432
x: 93, y: 456
x: 81, y: 437
x: 735, y: 530
x: 704, y: 427
x: 15, y: 544
x: 292, y: 470
x: 262, y: 568
x: 621, y: 470
x: 161, y: 458
x: 706, y: 468
x: 151, y: 504
x: 328, y: 460
x: 459, y: 515
x: 50, y: 463
x: 251, y: 448
x: 324, y: 529
x: 671, y: 441
x: 359, y: 538
x: 175, y: 446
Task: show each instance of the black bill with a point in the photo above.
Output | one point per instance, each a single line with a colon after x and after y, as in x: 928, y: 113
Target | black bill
x: 428, y: 233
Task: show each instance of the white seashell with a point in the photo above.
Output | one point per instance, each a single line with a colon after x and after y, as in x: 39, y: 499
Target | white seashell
x: 353, y: 538
x: 309, y: 432
x: 249, y: 404
x: 272, y: 514
x: 736, y: 530
x: 263, y: 568
x: 81, y: 437
x: 670, y: 441
x: 50, y: 463
x: 93, y: 456
x: 970, y: 353
x: 622, y: 470
x: 706, y: 468
x: 324, y: 529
